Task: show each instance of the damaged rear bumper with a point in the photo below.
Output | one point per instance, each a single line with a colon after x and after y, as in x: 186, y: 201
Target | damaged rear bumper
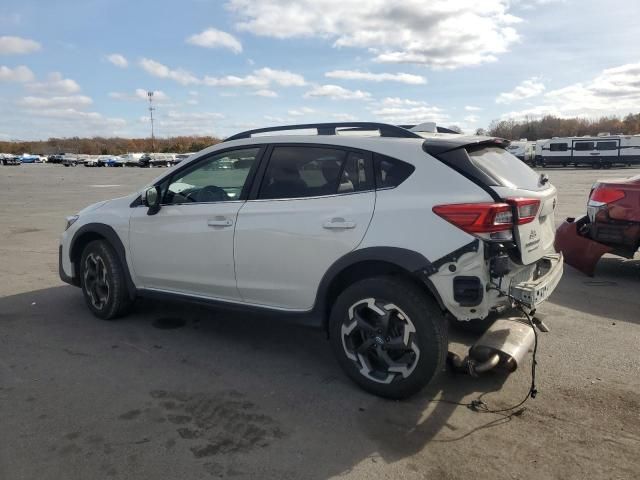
x: 533, y: 292
x: 579, y: 251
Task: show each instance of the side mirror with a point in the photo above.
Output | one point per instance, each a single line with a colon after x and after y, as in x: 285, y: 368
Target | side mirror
x: 152, y: 200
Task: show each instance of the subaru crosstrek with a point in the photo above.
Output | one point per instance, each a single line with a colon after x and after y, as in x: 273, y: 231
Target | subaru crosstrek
x: 377, y: 238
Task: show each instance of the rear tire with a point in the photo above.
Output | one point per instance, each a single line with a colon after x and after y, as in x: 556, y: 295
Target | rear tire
x: 103, y: 281
x: 389, y: 336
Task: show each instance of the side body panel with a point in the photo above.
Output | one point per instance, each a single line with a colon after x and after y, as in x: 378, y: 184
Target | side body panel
x: 186, y: 248
x: 284, y: 247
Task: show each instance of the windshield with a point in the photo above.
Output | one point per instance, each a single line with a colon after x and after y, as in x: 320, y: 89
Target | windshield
x: 504, y: 167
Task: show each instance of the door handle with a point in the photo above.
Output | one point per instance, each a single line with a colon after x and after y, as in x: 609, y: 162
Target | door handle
x: 338, y: 224
x: 219, y: 222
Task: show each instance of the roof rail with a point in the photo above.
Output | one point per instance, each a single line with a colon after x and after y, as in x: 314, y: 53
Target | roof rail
x: 385, y: 129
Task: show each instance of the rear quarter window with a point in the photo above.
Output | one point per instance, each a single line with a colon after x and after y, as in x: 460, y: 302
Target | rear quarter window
x: 391, y: 172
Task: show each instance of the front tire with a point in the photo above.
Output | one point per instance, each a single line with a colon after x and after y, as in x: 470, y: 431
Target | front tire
x: 103, y: 281
x: 388, y: 335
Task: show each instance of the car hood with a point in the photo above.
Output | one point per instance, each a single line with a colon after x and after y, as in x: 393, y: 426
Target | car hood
x: 93, y: 206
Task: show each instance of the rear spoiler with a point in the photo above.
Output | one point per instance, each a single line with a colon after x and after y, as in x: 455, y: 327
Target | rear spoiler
x: 437, y: 146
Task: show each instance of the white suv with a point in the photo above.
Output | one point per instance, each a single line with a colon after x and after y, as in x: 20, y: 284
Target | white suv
x: 376, y: 238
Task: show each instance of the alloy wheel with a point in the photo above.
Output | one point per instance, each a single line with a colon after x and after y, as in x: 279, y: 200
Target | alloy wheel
x: 96, y: 281
x: 378, y: 337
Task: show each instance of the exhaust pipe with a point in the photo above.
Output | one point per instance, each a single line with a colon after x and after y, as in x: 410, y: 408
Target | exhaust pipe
x: 505, y: 344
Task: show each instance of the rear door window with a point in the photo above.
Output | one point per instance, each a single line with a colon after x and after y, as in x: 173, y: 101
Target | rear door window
x: 298, y: 172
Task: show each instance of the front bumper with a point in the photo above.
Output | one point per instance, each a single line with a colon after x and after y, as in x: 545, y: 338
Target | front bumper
x: 63, y: 275
x: 533, y: 292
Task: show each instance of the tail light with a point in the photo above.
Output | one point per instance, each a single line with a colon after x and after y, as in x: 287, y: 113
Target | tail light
x: 603, y: 195
x: 490, y: 221
x: 600, y: 197
x: 526, y: 209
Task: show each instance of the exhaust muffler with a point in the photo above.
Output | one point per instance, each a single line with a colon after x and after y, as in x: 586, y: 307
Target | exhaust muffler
x: 504, y: 345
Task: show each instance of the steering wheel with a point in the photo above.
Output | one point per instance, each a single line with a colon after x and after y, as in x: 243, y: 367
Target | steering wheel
x: 210, y: 193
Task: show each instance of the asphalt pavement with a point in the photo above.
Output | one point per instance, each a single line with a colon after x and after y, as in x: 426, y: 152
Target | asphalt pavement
x: 182, y: 391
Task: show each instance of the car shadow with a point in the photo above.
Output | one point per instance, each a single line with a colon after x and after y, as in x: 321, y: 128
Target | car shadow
x: 264, y: 360
x: 614, y: 278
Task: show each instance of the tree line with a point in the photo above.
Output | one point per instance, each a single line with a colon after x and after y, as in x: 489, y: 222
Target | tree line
x: 529, y: 128
x: 550, y: 126
x: 108, y: 146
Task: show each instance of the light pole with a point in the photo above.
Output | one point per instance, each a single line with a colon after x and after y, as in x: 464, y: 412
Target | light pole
x: 151, y: 109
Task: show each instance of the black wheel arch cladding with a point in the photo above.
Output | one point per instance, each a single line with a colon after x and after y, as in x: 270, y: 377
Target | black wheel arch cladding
x: 404, y: 260
x: 95, y: 231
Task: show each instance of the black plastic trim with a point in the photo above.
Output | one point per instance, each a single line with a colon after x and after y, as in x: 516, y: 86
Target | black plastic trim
x: 308, y: 318
x: 112, y: 237
x: 413, y: 262
x: 474, y: 246
x: 63, y: 276
x: 385, y: 129
x: 463, y: 286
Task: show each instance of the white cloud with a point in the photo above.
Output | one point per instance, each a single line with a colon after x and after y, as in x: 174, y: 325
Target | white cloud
x: 527, y: 89
x: 55, y: 84
x: 614, y: 91
x: 139, y: 94
x: 406, y: 111
x: 344, y: 117
x: 71, y: 101
x: 300, y: 111
x: 335, y: 92
x: 281, y: 77
x: 265, y: 92
x: 214, y: 38
x: 176, y: 122
x: 17, y: 45
x: 399, y: 102
x: 273, y: 119
x: 261, y: 78
x: 118, y: 60
x: 377, y: 77
x: 159, y: 70
x: 17, y: 74
x: 438, y: 33
x: 471, y: 108
x: 74, y: 114
x: 471, y: 118
x: 70, y: 121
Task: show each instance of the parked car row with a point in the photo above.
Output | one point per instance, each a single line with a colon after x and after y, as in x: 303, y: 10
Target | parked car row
x: 144, y: 160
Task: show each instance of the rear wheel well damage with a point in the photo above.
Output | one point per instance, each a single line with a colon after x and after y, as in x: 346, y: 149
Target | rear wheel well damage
x: 331, y: 288
x: 91, y: 232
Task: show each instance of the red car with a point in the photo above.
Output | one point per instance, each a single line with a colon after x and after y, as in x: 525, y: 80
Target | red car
x: 612, y: 225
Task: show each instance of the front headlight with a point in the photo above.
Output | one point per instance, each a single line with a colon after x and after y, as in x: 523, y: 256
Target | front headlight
x: 71, y: 220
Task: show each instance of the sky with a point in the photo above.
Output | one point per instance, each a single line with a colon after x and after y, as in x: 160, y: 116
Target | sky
x: 83, y: 68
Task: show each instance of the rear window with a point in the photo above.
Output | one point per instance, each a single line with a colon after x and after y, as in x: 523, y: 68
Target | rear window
x: 504, y: 168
